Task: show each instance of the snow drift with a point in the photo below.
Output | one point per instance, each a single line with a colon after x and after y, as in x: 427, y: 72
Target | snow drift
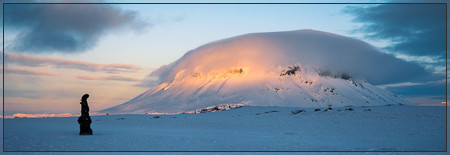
x: 303, y: 68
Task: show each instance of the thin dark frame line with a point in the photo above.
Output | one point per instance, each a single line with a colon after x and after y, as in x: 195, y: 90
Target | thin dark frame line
x: 3, y: 76
x: 223, y: 3
x: 446, y: 77
x: 224, y: 151
x: 3, y: 80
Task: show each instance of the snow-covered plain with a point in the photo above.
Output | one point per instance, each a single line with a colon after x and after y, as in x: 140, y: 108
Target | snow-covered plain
x: 383, y: 128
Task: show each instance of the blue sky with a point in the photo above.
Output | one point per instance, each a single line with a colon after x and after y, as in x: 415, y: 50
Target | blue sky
x: 120, y: 46
x: 176, y: 29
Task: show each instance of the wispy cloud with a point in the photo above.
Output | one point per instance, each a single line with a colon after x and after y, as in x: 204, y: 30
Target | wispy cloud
x: 427, y: 100
x: 24, y: 71
x: 420, y: 93
x: 406, y: 84
x: 115, y: 78
x: 435, y: 88
x: 65, y: 28
x: 31, y: 61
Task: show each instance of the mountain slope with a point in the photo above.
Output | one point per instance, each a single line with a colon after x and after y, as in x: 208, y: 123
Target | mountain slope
x: 304, y: 68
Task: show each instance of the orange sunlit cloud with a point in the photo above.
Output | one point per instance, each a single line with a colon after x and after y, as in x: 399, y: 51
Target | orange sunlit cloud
x: 54, y: 85
x: 32, y: 61
x: 9, y: 70
x: 22, y: 115
x: 116, y: 78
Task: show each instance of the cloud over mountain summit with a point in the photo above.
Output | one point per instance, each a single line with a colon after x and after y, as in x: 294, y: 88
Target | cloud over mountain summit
x: 265, y: 52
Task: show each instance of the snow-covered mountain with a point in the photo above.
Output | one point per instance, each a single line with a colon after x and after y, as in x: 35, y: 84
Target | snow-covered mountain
x: 304, y: 68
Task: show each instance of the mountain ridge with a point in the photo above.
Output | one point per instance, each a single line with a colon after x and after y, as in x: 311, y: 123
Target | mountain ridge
x: 303, y: 68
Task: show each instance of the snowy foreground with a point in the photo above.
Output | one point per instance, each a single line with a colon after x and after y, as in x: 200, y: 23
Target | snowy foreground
x: 385, y: 128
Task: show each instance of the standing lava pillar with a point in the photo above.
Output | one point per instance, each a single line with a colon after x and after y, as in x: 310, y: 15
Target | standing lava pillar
x: 85, y: 120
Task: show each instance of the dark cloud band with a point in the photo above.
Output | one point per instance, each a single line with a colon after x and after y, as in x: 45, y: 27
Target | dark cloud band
x: 69, y: 28
x: 412, y: 29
